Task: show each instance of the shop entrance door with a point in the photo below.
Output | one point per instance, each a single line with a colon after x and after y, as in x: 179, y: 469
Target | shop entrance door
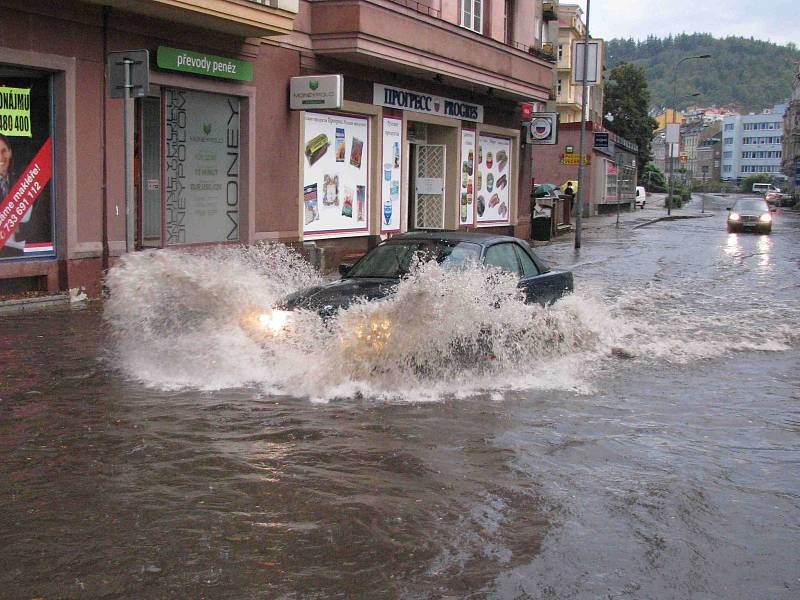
x: 148, y: 150
x: 429, y: 178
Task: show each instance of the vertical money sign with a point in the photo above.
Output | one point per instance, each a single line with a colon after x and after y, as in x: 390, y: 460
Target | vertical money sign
x: 15, y: 111
x: 25, y: 191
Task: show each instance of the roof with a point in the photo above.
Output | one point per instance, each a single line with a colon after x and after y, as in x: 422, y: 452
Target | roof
x: 455, y: 236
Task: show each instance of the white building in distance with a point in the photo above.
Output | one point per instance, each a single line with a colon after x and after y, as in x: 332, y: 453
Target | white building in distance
x: 751, y: 144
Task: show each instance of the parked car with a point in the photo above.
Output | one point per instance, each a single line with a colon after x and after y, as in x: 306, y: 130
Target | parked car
x: 779, y: 199
x: 378, y: 273
x: 764, y: 188
x: 750, y: 214
x: 641, y: 196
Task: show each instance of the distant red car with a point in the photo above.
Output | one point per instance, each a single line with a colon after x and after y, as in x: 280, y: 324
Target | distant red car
x: 774, y: 198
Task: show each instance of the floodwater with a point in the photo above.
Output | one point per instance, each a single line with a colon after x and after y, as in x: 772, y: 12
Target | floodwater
x: 640, y: 439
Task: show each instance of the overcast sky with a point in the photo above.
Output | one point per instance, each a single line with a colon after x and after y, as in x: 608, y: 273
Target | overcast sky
x: 774, y: 20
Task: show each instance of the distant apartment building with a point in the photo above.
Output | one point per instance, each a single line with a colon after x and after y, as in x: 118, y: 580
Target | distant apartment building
x: 791, y: 138
x: 708, y: 160
x: 571, y: 29
x: 752, y: 144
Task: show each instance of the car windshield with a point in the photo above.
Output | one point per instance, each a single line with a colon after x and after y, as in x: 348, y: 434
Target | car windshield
x: 394, y: 259
x: 751, y: 205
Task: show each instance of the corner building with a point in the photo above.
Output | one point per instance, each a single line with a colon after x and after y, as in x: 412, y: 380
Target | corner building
x: 428, y: 136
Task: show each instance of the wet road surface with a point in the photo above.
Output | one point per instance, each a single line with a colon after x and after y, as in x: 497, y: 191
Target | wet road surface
x: 669, y: 468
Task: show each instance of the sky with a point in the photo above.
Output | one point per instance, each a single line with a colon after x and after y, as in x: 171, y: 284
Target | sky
x: 774, y: 20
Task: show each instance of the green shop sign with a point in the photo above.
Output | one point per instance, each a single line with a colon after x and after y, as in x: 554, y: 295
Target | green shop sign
x: 204, y: 64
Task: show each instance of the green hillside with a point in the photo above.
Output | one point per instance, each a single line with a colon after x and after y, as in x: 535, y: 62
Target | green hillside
x: 746, y: 73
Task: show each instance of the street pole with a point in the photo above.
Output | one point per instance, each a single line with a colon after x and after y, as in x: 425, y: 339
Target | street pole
x: 674, y: 114
x: 130, y: 215
x: 579, y: 209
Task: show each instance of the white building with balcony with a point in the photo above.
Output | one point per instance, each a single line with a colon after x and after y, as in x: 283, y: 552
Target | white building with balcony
x: 751, y: 144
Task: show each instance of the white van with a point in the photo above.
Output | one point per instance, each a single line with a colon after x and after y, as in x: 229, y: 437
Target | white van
x: 764, y: 188
x: 641, y: 196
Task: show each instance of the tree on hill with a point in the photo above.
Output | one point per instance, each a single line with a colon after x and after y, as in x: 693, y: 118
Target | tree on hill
x: 627, y: 103
x: 743, y: 73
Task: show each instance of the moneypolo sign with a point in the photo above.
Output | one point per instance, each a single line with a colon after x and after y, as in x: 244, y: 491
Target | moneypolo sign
x: 383, y: 95
x: 185, y: 61
x: 315, y: 92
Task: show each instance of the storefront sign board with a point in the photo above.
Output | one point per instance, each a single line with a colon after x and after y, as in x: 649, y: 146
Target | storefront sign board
x: 316, y: 92
x: 15, y: 111
x: 543, y: 129
x: 600, y: 139
x: 335, y: 175
x: 574, y: 159
x: 390, y: 174
x: 26, y: 167
x: 466, y: 198
x: 384, y: 95
x: 186, y: 61
x: 202, y: 165
x: 493, y: 181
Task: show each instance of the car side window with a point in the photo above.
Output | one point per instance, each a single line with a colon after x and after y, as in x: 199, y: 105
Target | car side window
x: 528, y: 266
x: 503, y: 256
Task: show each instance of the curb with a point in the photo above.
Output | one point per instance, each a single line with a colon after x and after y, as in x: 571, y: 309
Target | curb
x: 672, y: 218
x: 22, y: 304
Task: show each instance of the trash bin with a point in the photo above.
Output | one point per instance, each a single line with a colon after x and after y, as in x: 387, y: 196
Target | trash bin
x: 541, y: 228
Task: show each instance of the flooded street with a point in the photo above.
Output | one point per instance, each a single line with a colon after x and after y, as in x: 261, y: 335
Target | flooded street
x: 649, y: 449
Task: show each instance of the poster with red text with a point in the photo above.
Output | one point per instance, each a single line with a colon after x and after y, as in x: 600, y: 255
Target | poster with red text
x: 26, y: 165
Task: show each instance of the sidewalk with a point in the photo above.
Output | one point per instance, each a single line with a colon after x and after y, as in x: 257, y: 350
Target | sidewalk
x: 653, y: 212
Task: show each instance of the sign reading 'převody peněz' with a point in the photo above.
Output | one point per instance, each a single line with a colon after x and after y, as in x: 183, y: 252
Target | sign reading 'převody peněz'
x: 204, y: 64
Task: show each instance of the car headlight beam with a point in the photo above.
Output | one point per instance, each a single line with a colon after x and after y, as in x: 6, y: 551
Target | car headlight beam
x: 765, y: 218
x: 733, y: 216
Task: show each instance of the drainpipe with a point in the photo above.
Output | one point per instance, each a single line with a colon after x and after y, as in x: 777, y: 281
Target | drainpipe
x: 104, y: 207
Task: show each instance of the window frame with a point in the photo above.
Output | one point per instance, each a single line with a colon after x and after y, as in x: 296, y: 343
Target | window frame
x: 473, y: 18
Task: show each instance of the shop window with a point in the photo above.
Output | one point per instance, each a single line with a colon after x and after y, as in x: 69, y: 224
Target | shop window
x: 26, y: 166
x: 202, y: 163
x: 336, y: 174
x: 493, y: 180
x: 472, y: 15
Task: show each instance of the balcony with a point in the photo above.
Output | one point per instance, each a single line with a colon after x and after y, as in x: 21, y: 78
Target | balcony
x: 407, y: 37
x: 549, y: 11
x: 243, y: 18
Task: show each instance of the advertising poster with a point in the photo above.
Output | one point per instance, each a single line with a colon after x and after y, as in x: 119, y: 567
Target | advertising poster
x: 466, y: 203
x: 335, y: 175
x: 390, y: 174
x: 26, y: 164
x: 202, y: 165
x: 493, y: 180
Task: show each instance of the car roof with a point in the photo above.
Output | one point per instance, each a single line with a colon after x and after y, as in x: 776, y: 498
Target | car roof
x: 455, y: 236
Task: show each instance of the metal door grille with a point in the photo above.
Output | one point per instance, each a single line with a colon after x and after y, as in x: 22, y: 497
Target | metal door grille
x: 429, y: 212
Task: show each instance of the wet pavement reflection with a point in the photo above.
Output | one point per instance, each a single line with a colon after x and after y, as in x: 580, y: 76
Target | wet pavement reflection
x: 669, y: 471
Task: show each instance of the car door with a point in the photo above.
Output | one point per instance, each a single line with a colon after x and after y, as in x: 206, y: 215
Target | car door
x: 542, y: 287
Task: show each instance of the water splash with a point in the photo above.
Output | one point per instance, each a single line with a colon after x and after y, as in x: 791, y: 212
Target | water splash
x: 179, y: 321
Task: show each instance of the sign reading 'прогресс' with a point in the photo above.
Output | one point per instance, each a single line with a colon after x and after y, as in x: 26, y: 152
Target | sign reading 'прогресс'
x: 204, y: 64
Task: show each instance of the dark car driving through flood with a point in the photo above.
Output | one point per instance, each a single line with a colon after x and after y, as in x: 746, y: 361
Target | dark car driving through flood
x: 377, y: 274
x: 750, y: 214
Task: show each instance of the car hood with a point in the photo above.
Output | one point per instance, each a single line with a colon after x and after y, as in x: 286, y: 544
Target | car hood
x: 330, y: 297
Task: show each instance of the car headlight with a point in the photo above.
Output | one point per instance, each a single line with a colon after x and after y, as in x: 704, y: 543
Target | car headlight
x: 273, y: 322
x: 765, y: 218
x: 733, y: 216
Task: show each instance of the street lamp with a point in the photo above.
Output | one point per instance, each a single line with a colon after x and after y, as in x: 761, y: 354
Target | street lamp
x: 674, y: 112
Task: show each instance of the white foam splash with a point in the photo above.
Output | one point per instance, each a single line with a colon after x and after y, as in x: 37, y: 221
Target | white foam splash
x: 178, y: 322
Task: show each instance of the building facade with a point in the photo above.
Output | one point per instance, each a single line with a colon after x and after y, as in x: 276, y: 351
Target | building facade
x: 791, y: 139
x: 571, y: 29
x: 708, y: 162
x: 752, y: 144
x: 427, y: 135
x: 610, y: 174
